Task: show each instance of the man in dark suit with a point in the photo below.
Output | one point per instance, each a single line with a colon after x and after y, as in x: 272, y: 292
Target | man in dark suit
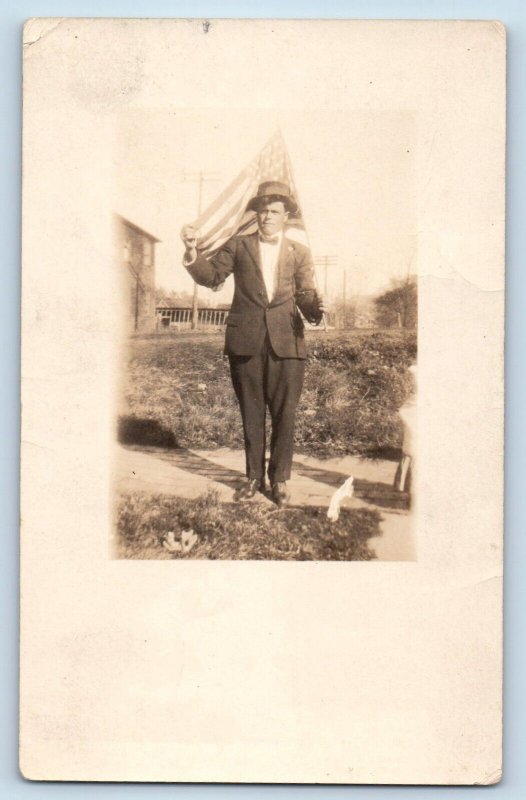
x: 273, y: 276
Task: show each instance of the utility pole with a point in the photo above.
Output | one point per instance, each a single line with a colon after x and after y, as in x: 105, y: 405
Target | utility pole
x: 326, y: 262
x: 200, y: 178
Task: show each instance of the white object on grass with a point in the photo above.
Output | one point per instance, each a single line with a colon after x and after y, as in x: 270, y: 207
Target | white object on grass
x: 171, y: 544
x: 346, y: 490
x: 188, y: 539
x: 184, y: 545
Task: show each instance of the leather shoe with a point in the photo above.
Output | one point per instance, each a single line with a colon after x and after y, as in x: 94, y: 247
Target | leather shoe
x: 280, y: 494
x: 248, y: 490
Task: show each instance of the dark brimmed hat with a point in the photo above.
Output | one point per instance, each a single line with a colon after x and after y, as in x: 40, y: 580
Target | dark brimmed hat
x: 276, y: 190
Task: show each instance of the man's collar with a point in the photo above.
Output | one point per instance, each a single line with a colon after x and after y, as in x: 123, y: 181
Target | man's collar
x: 276, y: 238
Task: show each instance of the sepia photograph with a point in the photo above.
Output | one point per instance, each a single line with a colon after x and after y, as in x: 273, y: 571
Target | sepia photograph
x: 268, y: 398
x: 262, y: 401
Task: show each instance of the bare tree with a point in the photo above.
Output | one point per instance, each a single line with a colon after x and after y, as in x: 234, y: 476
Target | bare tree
x: 398, y: 306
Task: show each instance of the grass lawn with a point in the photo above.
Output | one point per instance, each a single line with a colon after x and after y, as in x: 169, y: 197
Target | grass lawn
x: 249, y: 530
x: 178, y: 392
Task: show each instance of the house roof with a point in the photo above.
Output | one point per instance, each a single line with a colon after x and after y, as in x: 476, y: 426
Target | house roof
x: 136, y: 228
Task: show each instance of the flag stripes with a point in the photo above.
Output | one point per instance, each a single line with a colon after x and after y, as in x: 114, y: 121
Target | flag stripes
x: 227, y: 215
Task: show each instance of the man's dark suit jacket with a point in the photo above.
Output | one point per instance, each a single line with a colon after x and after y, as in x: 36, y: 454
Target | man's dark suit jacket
x: 253, y: 314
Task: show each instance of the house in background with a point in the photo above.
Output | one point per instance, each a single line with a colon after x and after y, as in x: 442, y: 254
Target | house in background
x: 136, y: 252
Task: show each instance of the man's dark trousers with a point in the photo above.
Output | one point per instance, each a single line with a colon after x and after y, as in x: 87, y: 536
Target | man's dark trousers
x: 265, y: 380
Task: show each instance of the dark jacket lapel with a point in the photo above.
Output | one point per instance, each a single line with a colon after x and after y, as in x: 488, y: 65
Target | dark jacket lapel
x: 252, y: 246
x: 285, y: 262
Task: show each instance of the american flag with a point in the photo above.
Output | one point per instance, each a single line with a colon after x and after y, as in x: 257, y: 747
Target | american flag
x: 227, y: 215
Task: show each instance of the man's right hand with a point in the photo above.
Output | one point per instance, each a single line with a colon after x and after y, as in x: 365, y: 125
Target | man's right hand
x: 189, y: 237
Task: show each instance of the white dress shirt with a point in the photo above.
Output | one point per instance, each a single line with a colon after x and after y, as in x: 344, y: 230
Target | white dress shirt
x: 268, y: 258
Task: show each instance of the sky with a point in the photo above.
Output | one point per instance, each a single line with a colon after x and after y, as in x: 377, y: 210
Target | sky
x: 354, y: 172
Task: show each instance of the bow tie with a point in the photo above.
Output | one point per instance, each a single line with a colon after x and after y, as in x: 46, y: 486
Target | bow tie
x: 268, y: 239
